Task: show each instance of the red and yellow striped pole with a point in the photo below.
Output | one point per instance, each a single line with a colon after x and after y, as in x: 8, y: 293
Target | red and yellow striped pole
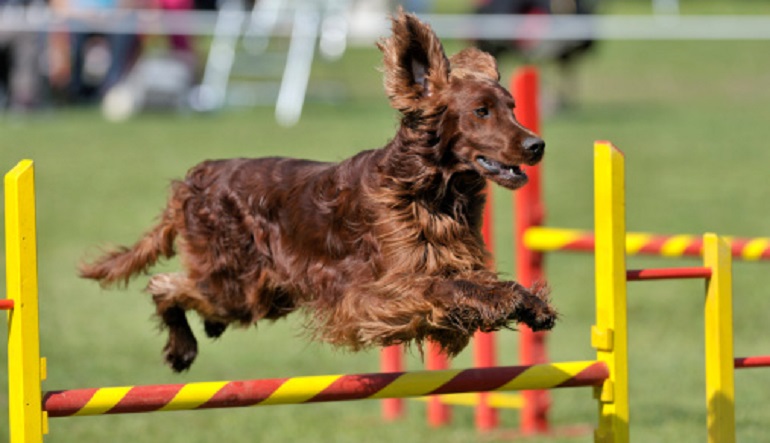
x: 547, y: 239
x: 328, y: 388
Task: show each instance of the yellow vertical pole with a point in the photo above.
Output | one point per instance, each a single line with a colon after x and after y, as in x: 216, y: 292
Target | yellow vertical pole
x: 25, y: 369
x: 609, y: 336
x: 720, y: 388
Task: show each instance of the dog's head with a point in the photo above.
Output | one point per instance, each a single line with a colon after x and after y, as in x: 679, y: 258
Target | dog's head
x: 458, y: 102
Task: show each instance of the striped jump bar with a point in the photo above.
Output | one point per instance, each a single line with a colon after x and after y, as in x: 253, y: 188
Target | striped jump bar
x: 6, y: 304
x: 556, y: 239
x: 225, y: 394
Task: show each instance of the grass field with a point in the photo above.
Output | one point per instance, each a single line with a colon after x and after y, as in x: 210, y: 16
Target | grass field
x: 691, y: 117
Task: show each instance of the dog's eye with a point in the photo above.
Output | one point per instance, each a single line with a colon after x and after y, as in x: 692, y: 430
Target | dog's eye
x: 481, y: 112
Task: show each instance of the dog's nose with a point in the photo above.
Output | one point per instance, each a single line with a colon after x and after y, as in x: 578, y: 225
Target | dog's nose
x: 534, y: 146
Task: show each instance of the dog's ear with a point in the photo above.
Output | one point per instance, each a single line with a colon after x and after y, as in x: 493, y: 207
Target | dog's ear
x: 415, y: 64
x: 473, y: 62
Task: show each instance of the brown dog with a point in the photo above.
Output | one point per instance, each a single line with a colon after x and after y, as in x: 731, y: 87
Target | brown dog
x: 379, y: 249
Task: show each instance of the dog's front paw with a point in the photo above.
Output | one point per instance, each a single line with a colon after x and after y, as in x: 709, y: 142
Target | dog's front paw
x: 542, y: 321
x: 534, y: 308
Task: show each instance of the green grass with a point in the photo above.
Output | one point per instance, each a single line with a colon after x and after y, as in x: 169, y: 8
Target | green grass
x: 691, y: 118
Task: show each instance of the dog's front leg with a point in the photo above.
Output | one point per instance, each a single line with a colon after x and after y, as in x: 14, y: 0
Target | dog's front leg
x: 447, y: 311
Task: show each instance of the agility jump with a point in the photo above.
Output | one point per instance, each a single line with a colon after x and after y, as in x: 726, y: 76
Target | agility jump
x: 533, y: 240
x: 30, y: 407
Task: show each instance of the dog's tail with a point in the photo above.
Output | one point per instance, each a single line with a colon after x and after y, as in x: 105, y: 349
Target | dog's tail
x: 122, y: 263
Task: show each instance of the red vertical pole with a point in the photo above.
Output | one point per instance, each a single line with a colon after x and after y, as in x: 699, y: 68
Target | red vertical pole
x: 392, y: 360
x: 439, y: 414
x: 484, y: 343
x: 530, y: 212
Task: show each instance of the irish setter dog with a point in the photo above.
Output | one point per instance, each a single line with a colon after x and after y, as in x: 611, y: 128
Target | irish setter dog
x: 379, y: 249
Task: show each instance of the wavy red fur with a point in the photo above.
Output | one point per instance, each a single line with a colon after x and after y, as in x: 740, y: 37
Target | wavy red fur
x: 381, y: 248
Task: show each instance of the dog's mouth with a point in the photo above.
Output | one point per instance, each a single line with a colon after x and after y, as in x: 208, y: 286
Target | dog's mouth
x: 508, y: 176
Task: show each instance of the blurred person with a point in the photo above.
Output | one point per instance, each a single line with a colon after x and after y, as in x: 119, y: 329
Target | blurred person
x: 97, y: 60
x: 518, y: 7
x: 565, y: 53
x: 180, y: 44
x: 20, y: 77
x: 417, y: 6
x: 159, y: 80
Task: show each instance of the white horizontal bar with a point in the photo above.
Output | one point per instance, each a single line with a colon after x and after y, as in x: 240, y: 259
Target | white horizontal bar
x: 367, y: 27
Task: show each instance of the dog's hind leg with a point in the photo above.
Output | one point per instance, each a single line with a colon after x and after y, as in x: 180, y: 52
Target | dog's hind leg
x: 181, y: 348
x: 174, y: 294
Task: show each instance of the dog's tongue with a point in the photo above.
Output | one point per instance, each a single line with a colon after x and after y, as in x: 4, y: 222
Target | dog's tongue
x: 497, y: 168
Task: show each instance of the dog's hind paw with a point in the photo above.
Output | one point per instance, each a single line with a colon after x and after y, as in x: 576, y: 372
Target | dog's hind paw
x: 214, y: 328
x: 181, y: 348
x: 180, y: 359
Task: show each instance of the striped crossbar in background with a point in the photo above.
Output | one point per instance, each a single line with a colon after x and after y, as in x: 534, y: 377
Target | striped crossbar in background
x: 554, y: 239
x: 131, y: 399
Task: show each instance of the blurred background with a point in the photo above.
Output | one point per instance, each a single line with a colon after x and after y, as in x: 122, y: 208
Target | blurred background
x: 112, y: 99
